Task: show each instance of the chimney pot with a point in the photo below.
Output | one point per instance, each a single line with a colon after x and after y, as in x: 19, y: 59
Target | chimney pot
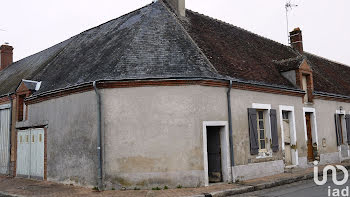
x: 6, y: 56
x: 296, y: 40
x: 179, y: 6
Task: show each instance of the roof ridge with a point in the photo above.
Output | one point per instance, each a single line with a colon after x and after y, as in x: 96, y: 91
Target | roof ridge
x: 332, y: 61
x: 67, y: 40
x: 189, y: 36
x: 72, y: 37
x: 115, y: 18
x: 240, y: 28
x: 300, y: 57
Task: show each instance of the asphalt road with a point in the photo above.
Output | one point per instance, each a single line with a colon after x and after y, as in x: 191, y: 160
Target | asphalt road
x: 299, y: 189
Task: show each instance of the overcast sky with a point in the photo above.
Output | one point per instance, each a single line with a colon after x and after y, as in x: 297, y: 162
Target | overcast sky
x: 33, y: 25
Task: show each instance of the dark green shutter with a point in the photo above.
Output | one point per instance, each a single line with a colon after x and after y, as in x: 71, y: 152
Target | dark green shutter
x: 274, y: 131
x: 347, y: 119
x: 253, y: 133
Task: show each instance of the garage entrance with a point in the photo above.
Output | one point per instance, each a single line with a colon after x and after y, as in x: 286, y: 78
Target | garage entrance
x: 4, y: 139
x: 30, y: 153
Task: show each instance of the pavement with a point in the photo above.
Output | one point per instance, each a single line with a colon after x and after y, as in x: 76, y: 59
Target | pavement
x: 26, y: 187
x: 305, y: 188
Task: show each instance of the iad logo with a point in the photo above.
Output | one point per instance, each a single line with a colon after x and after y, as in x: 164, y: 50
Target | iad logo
x: 334, y: 174
x: 335, y: 191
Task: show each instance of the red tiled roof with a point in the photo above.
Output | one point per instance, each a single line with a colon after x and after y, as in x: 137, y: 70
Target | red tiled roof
x: 238, y: 53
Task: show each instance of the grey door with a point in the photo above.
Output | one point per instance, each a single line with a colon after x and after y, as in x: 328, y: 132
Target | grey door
x: 214, y: 154
x: 4, y: 140
x: 30, y: 153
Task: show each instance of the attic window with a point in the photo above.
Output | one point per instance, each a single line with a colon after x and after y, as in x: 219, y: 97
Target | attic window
x: 21, y: 107
x: 306, y: 86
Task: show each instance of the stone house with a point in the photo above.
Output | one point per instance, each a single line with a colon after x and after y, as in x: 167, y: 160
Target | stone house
x: 167, y: 96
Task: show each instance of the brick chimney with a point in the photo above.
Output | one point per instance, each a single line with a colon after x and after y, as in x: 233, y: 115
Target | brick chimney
x: 296, y: 40
x: 6, y: 56
x: 179, y: 6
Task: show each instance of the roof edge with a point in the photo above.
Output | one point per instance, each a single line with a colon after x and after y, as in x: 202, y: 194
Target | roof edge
x: 332, y: 61
x: 88, y: 84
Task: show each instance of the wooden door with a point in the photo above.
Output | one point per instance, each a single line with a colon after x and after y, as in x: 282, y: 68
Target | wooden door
x: 214, y: 154
x: 310, y: 150
x: 30, y: 153
x: 37, y: 153
x: 4, y: 140
x: 287, y: 142
x: 23, y: 153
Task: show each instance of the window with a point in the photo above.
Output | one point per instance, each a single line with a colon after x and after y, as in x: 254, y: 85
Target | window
x: 261, y: 130
x: 21, y: 108
x: 263, y: 134
x: 285, y: 116
x: 307, y: 87
x: 339, y: 126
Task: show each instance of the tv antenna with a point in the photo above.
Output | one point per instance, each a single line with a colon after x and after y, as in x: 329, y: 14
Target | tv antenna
x: 289, y: 6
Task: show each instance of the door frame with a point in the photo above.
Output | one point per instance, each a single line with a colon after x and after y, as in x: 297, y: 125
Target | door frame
x: 312, y: 112
x: 344, y: 134
x: 293, y: 133
x: 225, y: 151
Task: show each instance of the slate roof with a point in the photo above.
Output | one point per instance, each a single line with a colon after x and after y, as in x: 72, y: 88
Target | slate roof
x: 151, y: 43
x: 146, y: 43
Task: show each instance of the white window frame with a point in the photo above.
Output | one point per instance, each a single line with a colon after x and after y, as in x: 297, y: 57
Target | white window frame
x: 343, y: 125
x: 267, y: 108
x: 258, y: 127
x: 225, y: 151
x: 313, y: 125
x: 293, y: 134
x: 345, y: 137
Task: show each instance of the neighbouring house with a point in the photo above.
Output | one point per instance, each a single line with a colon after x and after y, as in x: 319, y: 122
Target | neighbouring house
x: 167, y: 96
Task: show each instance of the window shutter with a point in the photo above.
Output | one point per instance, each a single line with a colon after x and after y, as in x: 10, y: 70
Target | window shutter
x: 337, y: 129
x: 253, y: 133
x: 274, y: 132
x: 347, y: 119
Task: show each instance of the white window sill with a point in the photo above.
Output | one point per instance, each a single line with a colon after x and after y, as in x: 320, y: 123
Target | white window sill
x: 263, y: 155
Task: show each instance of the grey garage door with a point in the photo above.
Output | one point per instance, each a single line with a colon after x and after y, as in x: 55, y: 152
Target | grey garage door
x: 4, y: 139
x: 30, y: 153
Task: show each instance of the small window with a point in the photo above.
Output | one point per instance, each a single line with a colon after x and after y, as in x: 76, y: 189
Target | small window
x: 20, y: 139
x: 27, y: 138
x: 306, y: 86
x: 285, y: 116
x: 261, y: 130
x: 33, y: 137
x: 21, y: 108
x: 40, y: 137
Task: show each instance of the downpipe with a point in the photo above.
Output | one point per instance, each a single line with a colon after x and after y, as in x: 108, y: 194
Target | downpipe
x: 230, y: 123
x: 99, y: 138
x: 10, y: 135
